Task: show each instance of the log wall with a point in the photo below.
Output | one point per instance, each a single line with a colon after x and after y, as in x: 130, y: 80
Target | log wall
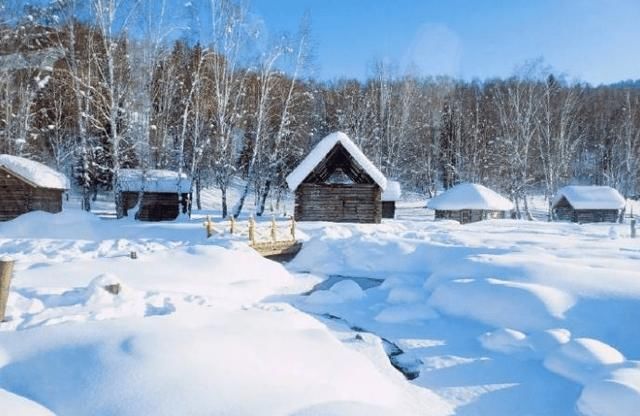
x: 358, y: 203
x: 19, y: 197
x: 563, y: 211
x: 465, y: 216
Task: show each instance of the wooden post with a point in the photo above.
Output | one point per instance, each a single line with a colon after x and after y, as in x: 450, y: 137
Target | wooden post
x: 632, y: 224
x: 6, y: 270
x: 208, y: 226
x: 274, y: 229
x: 252, y: 231
x: 293, y: 228
x: 133, y: 255
x: 232, y: 224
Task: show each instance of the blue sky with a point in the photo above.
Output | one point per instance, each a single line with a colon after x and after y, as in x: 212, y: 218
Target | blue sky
x: 596, y: 41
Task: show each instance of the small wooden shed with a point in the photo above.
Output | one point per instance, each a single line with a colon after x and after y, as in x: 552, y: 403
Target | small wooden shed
x: 336, y: 182
x: 26, y: 185
x: 165, y: 193
x: 470, y: 202
x: 587, y: 204
x: 389, y: 198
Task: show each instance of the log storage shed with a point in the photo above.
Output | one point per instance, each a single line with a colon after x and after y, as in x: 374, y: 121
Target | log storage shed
x: 26, y: 185
x: 336, y: 182
x: 587, y: 204
x: 389, y: 198
x: 165, y: 193
x: 470, y: 202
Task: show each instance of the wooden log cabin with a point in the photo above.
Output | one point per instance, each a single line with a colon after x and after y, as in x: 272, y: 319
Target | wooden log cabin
x: 389, y: 198
x: 26, y: 185
x: 583, y: 204
x: 165, y: 193
x: 470, y: 202
x: 336, y: 182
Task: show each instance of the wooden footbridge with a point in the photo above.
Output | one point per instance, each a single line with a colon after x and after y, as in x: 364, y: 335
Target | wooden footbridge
x: 276, y: 241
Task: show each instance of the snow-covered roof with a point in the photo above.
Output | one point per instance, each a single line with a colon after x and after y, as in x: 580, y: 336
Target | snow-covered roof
x: 470, y: 196
x: 590, y: 197
x: 153, y: 180
x: 322, y: 149
x: 392, y: 192
x: 33, y: 172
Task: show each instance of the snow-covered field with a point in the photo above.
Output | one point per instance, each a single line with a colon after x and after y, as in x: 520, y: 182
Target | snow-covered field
x: 496, y: 318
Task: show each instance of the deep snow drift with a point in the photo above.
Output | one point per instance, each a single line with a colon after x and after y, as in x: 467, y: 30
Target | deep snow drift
x: 191, y: 330
x: 495, y: 318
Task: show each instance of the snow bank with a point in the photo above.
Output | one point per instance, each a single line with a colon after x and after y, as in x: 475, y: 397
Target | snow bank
x: 13, y: 404
x: 320, y: 151
x: 68, y: 224
x: 590, y: 197
x: 153, y: 180
x: 618, y: 394
x: 470, y: 196
x: 501, y: 303
x: 583, y: 359
x: 345, y: 290
x: 34, y: 172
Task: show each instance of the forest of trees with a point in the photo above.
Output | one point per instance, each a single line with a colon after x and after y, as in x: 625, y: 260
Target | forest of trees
x: 94, y: 86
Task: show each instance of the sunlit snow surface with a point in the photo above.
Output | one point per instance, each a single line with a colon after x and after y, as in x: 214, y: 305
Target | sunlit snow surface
x: 496, y: 318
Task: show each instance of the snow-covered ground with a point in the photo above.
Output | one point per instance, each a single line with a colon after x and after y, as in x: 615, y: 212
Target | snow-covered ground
x: 495, y: 318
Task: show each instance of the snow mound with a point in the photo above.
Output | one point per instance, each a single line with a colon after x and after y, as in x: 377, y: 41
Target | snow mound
x: 504, y: 340
x: 345, y: 290
x: 322, y: 149
x: 405, y: 294
x: 34, y: 172
x: 616, y: 395
x: 583, y: 359
x: 590, y: 197
x: 348, y: 290
x: 470, y: 196
x: 543, y: 342
x: 68, y: 224
x: 502, y: 304
x: 406, y: 313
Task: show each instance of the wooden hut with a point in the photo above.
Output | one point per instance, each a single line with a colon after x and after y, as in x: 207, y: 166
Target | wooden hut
x: 336, y: 182
x: 165, y: 193
x: 470, y: 202
x: 26, y: 185
x: 587, y: 204
x: 389, y: 198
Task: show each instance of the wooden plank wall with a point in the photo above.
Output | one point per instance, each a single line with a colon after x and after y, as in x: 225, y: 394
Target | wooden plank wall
x: 358, y: 203
x: 388, y: 209
x: 18, y: 197
x: 563, y: 211
x: 156, y: 206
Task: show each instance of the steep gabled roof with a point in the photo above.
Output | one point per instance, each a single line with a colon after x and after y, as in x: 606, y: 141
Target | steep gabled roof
x: 153, y: 180
x: 34, y: 173
x: 470, y: 196
x: 320, y: 152
x: 590, y: 197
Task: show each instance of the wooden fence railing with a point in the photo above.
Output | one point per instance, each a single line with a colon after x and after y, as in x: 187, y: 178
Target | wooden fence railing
x: 276, y: 240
